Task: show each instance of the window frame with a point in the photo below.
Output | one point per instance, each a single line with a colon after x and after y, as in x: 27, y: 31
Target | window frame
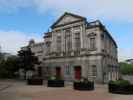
x: 94, y: 70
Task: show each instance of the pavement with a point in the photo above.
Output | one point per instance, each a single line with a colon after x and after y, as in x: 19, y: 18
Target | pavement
x: 18, y: 90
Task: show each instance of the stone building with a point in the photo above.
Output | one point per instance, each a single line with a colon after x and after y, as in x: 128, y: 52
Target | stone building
x: 75, y: 48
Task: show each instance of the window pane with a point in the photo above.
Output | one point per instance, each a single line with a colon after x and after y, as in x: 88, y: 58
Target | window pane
x: 68, y: 70
x: 58, y: 41
x: 92, y: 43
x: 68, y: 41
x: 77, y: 41
x: 94, y: 70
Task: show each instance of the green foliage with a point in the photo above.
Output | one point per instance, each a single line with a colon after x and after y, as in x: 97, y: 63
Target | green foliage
x: 58, y: 78
x: 54, y: 78
x: 119, y: 82
x: 1, y: 57
x: 77, y: 81
x: 27, y: 59
x: 9, y: 67
x: 83, y: 79
x: 126, y: 69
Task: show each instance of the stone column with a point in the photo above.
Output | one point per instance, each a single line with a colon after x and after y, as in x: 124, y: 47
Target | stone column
x: 53, y: 47
x: 81, y: 36
x: 73, y: 46
x: 62, y: 40
x: 63, y: 31
x: 84, y: 36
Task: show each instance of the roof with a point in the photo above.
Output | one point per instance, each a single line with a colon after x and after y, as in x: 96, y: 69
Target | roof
x: 67, y: 13
x: 97, y: 23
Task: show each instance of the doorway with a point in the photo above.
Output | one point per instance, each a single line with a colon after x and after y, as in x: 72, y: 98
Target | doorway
x: 77, y: 71
x: 58, y: 72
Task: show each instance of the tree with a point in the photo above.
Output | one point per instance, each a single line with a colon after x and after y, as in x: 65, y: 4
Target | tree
x: 27, y: 59
x: 126, y: 69
x: 12, y: 64
x: 1, y: 55
x: 8, y: 67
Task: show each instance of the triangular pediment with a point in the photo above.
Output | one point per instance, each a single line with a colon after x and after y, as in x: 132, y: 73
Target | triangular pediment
x: 67, y: 18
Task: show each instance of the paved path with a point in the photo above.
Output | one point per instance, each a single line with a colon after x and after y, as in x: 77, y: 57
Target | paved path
x: 20, y: 91
x: 4, y: 85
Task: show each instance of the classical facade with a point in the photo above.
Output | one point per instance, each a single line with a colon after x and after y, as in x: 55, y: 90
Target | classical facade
x: 75, y: 48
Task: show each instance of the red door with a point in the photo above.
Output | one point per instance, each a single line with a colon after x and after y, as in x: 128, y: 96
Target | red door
x: 77, y: 73
x: 58, y: 71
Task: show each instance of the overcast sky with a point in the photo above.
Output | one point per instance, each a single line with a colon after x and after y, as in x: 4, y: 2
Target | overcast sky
x: 21, y: 20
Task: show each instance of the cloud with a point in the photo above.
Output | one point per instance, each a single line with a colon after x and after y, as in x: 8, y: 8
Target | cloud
x: 116, y: 10
x: 14, y: 5
x: 12, y: 41
x: 110, y: 9
x: 124, y: 54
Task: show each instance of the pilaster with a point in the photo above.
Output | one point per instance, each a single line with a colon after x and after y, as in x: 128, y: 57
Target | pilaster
x: 81, y: 35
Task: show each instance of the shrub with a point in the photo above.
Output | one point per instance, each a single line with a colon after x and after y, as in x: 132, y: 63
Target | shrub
x: 54, y: 78
x: 120, y: 82
x: 83, y: 84
x: 126, y: 69
x: 78, y: 81
x: 120, y: 87
x: 82, y: 80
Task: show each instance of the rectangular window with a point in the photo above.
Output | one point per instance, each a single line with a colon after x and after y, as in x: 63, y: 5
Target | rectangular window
x: 94, y: 70
x: 48, y: 44
x: 92, y: 43
x: 77, y: 41
x: 58, y: 41
x: 68, y: 41
x: 48, y: 71
x: 68, y: 69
